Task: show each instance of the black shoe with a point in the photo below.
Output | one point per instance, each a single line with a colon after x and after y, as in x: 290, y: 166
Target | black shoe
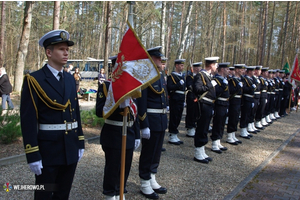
x: 239, y: 142
x: 257, y: 130
x: 201, y: 161
x: 252, y: 132
x: 175, y: 143
x: 180, y: 142
x: 209, y: 159
x: 232, y: 143
x: 261, y: 128
x: 189, y: 135
x: 223, y: 149
x: 250, y: 135
x: 150, y: 196
x: 163, y: 149
x: 246, y: 137
x: 160, y: 190
x: 216, y: 151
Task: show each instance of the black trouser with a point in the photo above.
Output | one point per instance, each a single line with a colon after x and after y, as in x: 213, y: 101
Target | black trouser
x: 284, y: 105
x: 233, y: 117
x: 254, y: 109
x: 150, y: 154
x: 277, y: 107
x: 112, y: 169
x: 260, y: 110
x: 191, y: 110
x: 267, y: 108
x: 176, y: 108
x: 245, y: 113
x: 59, y: 178
x: 220, y: 113
x: 200, y: 138
x: 272, y: 103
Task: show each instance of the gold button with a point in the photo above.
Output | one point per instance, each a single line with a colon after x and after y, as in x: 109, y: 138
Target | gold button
x: 74, y: 120
x: 65, y: 121
x: 75, y: 131
x: 54, y: 100
x: 66, y: 132
x: 75, y: 98
x: 64, y: 111
x: 73, y: 109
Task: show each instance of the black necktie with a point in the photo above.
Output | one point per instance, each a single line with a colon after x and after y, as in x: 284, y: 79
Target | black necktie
x: 61, y: 79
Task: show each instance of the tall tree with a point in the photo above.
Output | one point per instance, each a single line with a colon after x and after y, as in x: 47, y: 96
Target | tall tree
x: 2, y: 35
x: 271, y: 34
x: 264, y: 33
x: 107, y: 36
x: 285, y: 32
x: 23, y: 47
x: 163, y: 26
x: 224, y: 31
x: 185, y: 32
x: 56, y: 15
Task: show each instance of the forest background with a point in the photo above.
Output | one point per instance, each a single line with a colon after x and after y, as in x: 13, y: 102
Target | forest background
x: 252, y: 32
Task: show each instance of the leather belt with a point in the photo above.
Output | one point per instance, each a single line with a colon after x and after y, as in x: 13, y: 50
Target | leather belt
x: 264, y: 91
x: 51, y: 127
x: 118, y: 123
x: 223, y: 99
x: 209, y: 100
x: 179, y: 91
x: 248, y: 95
x: 256, y: 92
x: 154, y: 110
x: 237, y: 96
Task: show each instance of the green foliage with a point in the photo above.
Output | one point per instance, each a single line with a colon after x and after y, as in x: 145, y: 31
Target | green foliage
x: 89, y: 118
x: 10, y: 128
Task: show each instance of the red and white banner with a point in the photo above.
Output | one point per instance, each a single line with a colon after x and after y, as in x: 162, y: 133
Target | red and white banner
x: 295, y: 73
x: 134, y: 70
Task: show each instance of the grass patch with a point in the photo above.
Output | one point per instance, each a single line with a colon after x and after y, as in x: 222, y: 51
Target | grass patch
x: 90, y: 119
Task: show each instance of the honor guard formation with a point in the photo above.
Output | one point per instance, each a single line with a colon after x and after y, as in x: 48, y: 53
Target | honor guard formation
x: 215, y: 94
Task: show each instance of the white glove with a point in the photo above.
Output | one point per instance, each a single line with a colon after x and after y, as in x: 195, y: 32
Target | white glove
x: 80, y: 153
x: 266, y: 100
x: 258, y: 80
x: 181, y: 82
x: 282, y: 98
x: 252, y: 105
x: 168, y: 108
x: 212, y: 112
x: 137, y: 143
x: 266, y: 83
x: 145, y: 133
x: 254, y: 86
x: 241, y: 84
x: 225, y: 81
x: 125, y: 103
x: 36, y: 167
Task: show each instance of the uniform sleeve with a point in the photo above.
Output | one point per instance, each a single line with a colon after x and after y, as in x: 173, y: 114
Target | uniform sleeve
x: 199, y: 87
x: 29, y: 123
x: 100, y: 99
x: 172, y: 85
x: 142, y: 109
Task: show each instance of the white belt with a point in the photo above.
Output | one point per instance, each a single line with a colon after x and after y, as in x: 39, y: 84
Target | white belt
x: 248, y: 95
x: 256, y: 92
x: 273, y: 93
x: 223, y: 99
x: 276, y: 90
x: 280, y: 89
x: 264, y: 91
x: 118, y: 123
x: 68, y: 126
x: 237, y: 96
x: 153, y: 110
x: 269, y: 92
x: 209, y: 100
x: 179, y: 92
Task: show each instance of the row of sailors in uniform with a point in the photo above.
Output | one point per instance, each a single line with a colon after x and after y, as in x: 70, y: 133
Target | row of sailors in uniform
x: 250, y: 95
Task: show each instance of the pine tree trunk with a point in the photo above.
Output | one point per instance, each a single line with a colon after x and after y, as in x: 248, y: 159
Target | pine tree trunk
x: 56, y: 15
x: 224, y: 31
x: 284, y: 34
x: 271, y: 35
x: 169, y: 38
x: 264, y: 33
x: 3, y: 23
x: 23, y: 48
x: 107, y: 37
x: 101, y: 31
x: 163, y: 26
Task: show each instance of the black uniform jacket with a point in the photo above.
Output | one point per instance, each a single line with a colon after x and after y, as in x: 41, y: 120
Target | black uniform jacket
x: 202, y: 84
x: 235, y: 89
x: 173, y: 84
x: 154, y: 96
x: 247, y: 88
x: 263, y: 87
x: 111, y: 135
x: 53, y: 147
x: 221, y: 91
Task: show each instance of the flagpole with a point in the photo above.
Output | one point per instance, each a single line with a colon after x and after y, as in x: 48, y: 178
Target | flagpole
x: 124, y: 132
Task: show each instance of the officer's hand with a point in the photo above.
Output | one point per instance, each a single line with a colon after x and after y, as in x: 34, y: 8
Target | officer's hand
x: 267, y: 83
x: 181, y: 81
x: 241, y: 84
x: 225, y: 81
x: 266, y: 100
x: 145, y: 133
x: 212, y: 112
x: 125, y: 103
x: 137, y: 143
x: 168, y: 108
x: 252, y: 105
x: 36, y: 167
x: 80, y: 153
x: 254, y: 86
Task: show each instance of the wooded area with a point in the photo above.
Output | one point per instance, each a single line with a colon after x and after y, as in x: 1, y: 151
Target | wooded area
x: 251, y: 32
